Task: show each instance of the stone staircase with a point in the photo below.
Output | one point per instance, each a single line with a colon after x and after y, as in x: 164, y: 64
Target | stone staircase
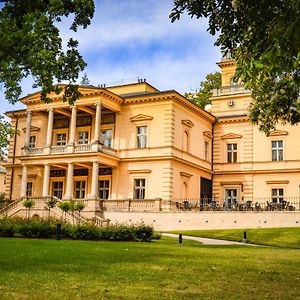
x: 40, y: 208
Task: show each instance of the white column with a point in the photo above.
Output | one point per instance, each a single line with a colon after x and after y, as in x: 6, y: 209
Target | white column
x: 97, y: 135
x: 24, y: 181
x: 50, y: 127
x: 72, y: 130
x: 95, y: 172
x: 46, y: 180
x: 28, y: 128
x: 69, y: 189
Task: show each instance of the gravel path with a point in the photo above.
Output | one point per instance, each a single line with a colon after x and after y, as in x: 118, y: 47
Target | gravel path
x: 207, y: 241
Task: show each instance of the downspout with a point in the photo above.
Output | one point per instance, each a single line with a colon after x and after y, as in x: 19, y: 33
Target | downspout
x: 13, y: 158
x: 212, y: 154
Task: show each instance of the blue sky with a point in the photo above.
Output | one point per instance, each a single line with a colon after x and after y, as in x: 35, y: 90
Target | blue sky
x: 132, y: 38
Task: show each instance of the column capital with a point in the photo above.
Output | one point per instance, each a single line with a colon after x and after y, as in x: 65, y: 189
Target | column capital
x: 73, y: 106
x: 50, y: 109
x: 28, y: 112
x: 97, y: 103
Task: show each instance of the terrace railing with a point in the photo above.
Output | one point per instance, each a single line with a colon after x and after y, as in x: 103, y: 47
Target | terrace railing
x: 230, y: 90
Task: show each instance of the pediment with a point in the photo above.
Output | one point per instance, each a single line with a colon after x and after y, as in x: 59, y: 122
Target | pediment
x: 231, y: 136
x: 32, y: 129
x: 188, y: 123
x: 278, y: 132
x: 207, y: 134
x: 187, y: 175
x: 141, y: 117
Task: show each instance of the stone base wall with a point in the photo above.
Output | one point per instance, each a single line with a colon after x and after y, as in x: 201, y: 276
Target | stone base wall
x: 207, y: 220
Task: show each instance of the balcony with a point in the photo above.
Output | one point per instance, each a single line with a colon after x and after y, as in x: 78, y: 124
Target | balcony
x: 84, y: 148
x: 230, y: 90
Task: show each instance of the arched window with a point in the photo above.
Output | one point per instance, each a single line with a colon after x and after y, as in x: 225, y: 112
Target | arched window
x: 184, y: 190
x: 186, y: 141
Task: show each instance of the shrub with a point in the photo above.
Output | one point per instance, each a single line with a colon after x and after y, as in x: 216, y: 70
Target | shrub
x: 26, y: 228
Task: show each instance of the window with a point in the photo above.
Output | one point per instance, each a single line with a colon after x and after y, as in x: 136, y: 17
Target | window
x: 142, y: 137
x: 205, y: 150
x: 57, y: 189
x: 277, y: 195
x: 32, y: 142
x: 231, y: 198
x: 232, y: 153
x: 106, y: 137
x: 277, y: 150
x: 139, y: 188
x: 29, y: 189
x: 186, y: 141
x: 104, y: 189
x: 80, y: 189
x: 83, y: 137
x: 61, y: 139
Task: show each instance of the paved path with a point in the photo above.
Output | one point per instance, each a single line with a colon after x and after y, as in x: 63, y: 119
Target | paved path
x: 206, y: 241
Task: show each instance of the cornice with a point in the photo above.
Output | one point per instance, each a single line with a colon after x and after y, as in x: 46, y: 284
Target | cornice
x: 141, y: 117
x: 231, y: 136
x: 278, y: 133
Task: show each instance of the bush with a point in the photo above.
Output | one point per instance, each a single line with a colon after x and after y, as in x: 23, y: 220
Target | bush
x: 14, y: 227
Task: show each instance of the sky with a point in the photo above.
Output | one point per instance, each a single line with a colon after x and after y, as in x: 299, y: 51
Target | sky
x: 133, y: 39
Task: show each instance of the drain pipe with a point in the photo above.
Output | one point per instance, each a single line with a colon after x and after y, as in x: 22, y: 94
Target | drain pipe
x: 212, y: 155
x: 14, y: 157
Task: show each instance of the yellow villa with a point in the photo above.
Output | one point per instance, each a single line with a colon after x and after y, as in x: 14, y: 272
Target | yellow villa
x: 134, y: 148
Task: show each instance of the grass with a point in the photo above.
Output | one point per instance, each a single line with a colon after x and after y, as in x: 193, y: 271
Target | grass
x: 50, y: 269
x: 278, y: 237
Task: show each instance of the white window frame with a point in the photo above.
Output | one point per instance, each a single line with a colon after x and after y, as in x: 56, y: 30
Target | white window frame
x: 27, y: 190
x: 206, y: 150
x: 139, y: 188
x: 141, y: 135
x: 80, y: 191
x: 230, y: 153
x: 106, y: 189
x: 103, y: 139
x: 83, y: 140
x: 32, y: 144
x: 277, y: 150
x: 56, y: 140
x: 277, y: 198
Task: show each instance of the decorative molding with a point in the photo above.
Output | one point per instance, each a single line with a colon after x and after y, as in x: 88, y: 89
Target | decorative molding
x: 278, y: 132
x: 187, y: 175
x: 188, y: 123
x: 207, y: 134
x: 32, y: 129
x: 141, y: 117
x: 231, y: 136
x: 277, y: 181
x: 231, y: 183
x: 145, y: 171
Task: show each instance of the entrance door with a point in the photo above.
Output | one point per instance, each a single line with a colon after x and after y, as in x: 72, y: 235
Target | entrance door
x: 231, y: 198
x: 57, y: 189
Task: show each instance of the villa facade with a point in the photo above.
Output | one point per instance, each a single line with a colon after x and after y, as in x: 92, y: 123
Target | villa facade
x: 137, y: 144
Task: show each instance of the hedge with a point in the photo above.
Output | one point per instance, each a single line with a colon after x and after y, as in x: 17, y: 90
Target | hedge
x: 30, y: 228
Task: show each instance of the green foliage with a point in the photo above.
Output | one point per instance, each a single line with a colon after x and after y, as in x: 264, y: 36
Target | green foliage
x: 85, y: 80
x: 30, y: 45
x: 202, y: 97
x: 15, y: 227
x: 2, y: 196
x: 5, y: 132
x: 28, y: 203
x: 264, y: 39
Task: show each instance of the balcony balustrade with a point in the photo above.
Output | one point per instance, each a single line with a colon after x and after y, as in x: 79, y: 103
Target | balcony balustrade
x: 65, y: 149
x: 230, y: 90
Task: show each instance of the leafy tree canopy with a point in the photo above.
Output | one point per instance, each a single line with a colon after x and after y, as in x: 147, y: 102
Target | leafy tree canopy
x: 202, y: 97
x: 5, y: 132
x: 30, y: 45
x: 263, y: 37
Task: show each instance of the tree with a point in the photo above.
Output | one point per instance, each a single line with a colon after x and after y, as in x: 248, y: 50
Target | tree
x: 5, y: 131
x: 28, y: 204
x: 30, y: 45
x: 202, y: 97
x: 85, y: 80
x: 65, y: 207
x: 51, y: 203
x: 264, y: 39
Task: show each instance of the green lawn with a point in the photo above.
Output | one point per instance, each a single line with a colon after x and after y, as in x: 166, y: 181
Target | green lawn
x: 278, y: 237
x: 50, y: 269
